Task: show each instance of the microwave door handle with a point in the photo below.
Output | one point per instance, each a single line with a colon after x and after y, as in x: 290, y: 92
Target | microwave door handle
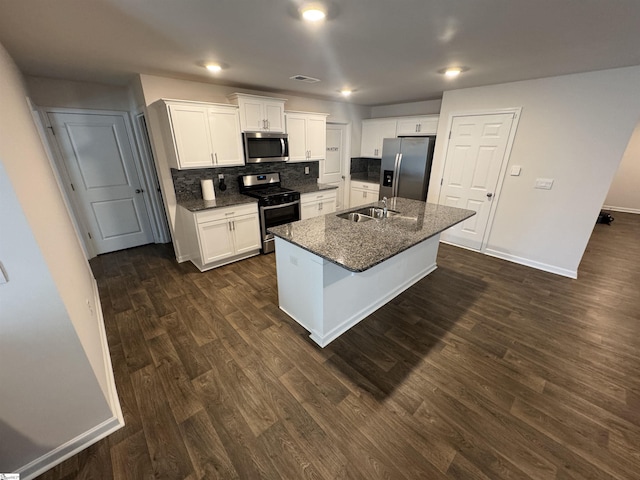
x: 282, y: 146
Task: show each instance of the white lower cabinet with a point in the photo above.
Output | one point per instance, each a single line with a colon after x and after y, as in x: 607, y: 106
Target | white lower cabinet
x: 363, y: 193
x: 316, y: 204
x: 222, y: 235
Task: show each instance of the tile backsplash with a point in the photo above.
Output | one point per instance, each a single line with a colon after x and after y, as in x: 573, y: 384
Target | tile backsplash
x: 187, y: 182
x: 371, y: 166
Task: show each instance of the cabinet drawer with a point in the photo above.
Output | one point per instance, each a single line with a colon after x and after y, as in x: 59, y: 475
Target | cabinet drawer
x: 365, y: 186
x: 317, y: 196
x: 226, y: 212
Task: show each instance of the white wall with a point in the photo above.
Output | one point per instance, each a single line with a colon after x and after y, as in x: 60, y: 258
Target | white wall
x: 154, y: 88
x: 574, y: 129
x: 54, y: 364
x: 624, y: 193
x: 53, y: 92
x: 428, y: 107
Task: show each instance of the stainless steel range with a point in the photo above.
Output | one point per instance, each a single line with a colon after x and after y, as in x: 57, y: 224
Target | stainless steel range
x: 277, y: 205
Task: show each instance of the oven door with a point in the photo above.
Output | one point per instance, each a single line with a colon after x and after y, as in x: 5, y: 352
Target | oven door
x: 273, y: 216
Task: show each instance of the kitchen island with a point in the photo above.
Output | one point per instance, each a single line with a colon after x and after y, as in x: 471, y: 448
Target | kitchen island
x: 333, y: 272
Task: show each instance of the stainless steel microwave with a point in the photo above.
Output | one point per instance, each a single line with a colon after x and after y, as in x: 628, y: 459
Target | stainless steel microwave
x: 262, y: 147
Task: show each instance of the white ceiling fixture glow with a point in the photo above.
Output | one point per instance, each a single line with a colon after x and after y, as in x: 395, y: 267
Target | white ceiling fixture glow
x: 452, y: 72
x: 346, y: 92
x: 213, y: 67
x: 313, y: 12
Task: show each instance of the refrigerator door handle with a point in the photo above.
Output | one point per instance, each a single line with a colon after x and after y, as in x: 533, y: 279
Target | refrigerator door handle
x: 396, y: 174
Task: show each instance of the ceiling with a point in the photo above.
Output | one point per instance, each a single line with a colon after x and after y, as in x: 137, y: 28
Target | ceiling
x: 387, y: 51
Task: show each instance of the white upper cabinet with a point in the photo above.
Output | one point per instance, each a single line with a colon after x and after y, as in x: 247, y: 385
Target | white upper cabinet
x: 417, y: 126
x: 190, y: 131
x: 307, y: 136
x: 260, y: 114
x: 373, y: 132
x: 200, y: 135
x: 226, y: 138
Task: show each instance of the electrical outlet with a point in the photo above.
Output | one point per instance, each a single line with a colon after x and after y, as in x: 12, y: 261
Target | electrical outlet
x: 306, y: 170
x: 515, y: 171
x: 220, y: 176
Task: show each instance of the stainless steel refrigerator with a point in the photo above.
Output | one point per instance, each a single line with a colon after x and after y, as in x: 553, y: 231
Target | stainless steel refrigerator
x: 406, y: 166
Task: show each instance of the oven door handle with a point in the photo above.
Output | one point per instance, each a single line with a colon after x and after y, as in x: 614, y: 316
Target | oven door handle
x: 282, y: 205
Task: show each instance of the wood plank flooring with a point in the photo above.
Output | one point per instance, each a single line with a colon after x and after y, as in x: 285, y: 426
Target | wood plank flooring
x: 483, y: 370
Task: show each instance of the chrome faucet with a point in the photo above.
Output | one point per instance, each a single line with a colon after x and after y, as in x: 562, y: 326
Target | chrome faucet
x: 384, y: 207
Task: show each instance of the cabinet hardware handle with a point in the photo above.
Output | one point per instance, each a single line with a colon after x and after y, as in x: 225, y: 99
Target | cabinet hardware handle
x: 213, y: 160
x: 419, y: 127
x: 139, y: 190
x: 215, y: 155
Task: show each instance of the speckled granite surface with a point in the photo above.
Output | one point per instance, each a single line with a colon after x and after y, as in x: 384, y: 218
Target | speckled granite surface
x: 365, y: 177
x: 311, y: 187
x: 360, y: 246
x: 198, y: 204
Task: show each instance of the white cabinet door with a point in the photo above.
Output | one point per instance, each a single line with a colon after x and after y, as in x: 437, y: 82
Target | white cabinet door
x: 274, y: 115
x: 362, y: 197
x: 417, y: 126
x: 327, y: 206
x: 297, y: 132
x: 216, y: 240
x: 307, y: 136
x: 246, y: 233
x: 373, y: 132
x: 317, y: 137
x: 308, y: 210
x: 190, y: 127
x: 226, y: 138
x: 251, y: 115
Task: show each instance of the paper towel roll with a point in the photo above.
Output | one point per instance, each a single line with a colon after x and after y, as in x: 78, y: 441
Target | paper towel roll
x: 207, y: 189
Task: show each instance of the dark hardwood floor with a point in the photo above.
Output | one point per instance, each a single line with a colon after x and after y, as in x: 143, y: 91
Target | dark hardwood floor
x: 483, y: 370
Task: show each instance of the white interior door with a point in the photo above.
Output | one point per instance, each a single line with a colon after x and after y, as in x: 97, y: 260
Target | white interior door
x: 474, y: 158
x: 334, y: 167
x: 98, y: 159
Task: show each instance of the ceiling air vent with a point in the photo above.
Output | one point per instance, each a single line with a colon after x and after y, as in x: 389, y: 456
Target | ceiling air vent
x: 304, y: 78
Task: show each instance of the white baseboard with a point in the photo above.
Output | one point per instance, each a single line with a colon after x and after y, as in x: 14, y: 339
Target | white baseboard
x: 67, y: 450
x: 622, y: 209
x: 100, y: 431
x: 532, y: 263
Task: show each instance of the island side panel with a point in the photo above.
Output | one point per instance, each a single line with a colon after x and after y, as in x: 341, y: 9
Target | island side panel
x: 300, y: 289
x: 327, y: 299
x: 351, y: 297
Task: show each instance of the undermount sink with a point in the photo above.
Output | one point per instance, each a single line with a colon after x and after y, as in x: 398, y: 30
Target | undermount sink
x: 355, y: 217
x: 367, y: 213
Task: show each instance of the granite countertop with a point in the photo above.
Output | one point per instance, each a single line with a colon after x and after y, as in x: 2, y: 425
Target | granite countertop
x: 198, y: 204
x: 311, y: 187
x: 365, y: 177
x: 358, y: 246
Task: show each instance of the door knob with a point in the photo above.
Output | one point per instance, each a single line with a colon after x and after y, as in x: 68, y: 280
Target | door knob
x: 139, y: 190
x: 489, y: 195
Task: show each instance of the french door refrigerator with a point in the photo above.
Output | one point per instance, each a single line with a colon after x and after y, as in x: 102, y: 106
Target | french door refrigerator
x: 405, y: 167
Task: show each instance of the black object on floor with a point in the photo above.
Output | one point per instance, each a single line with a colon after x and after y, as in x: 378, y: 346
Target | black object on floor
x: 605, y: 217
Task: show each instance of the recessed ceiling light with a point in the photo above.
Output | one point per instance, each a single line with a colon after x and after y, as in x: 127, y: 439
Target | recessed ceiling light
x: 213, y: 67
x: 345, y: 92
x: 452, y: 72
x: 313, y: 12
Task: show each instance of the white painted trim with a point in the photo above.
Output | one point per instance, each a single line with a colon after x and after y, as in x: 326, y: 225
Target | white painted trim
x: 532, y: 263
x: 622, y: 209
x: 69, y: 449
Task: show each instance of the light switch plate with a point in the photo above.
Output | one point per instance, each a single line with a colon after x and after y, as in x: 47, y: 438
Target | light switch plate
x: 544, y: 183
x: 515, y: 170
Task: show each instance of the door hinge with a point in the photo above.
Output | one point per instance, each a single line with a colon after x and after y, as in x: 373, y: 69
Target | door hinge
x: 441, y: 180
x: 72, y: 187
x: 89, y: 233
x: 52, y: 130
